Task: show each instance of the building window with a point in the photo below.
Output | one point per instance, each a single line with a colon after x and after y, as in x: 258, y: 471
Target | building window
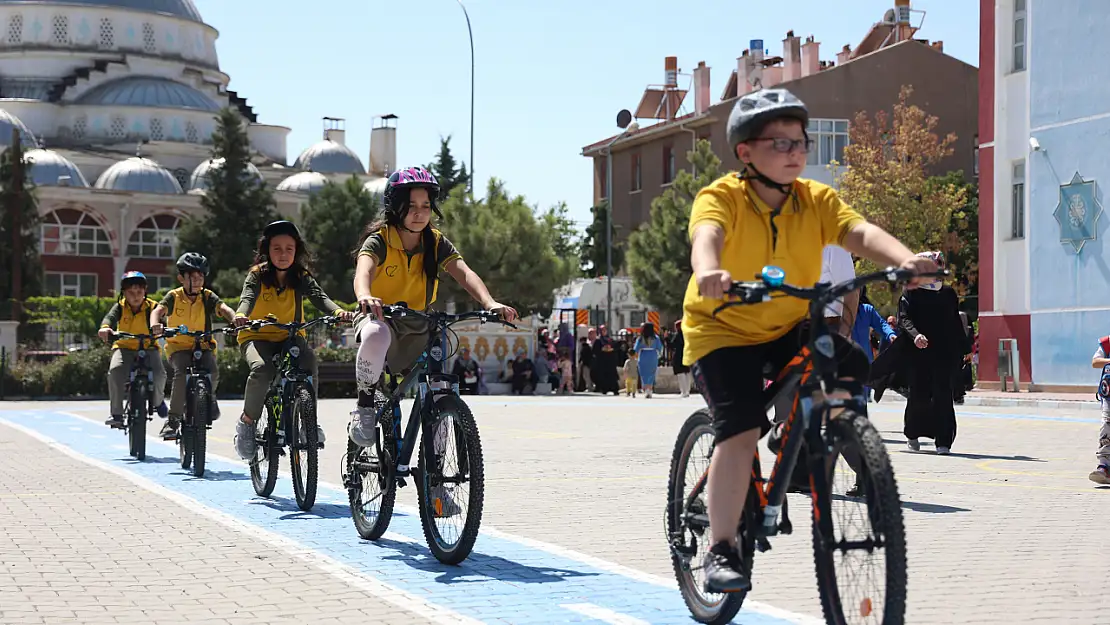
x: 157, y: 130
x: 159, y: 283
x: 1017, y: 202
x: 59, y: 35
x: 69, y: 232
x: 118, y: 128
x: 597, y: 317
x: 830, y: 137
x: 15, y: 29
x: 636, y: 179
x: 191, y: 133
x: 150, y: 44
x: 1019, y: 35
x: 107, y: 34
x: 71, y: 284
x: 154, y: 237
x: 668, y: 164
x: 636, y: 318
x: 80, y: 126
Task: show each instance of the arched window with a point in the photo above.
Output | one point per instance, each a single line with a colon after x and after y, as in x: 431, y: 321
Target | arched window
x: 154, y: 237
x: 70, y: 232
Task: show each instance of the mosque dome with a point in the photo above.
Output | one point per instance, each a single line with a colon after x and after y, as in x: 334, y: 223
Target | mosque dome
x: 139, y: 175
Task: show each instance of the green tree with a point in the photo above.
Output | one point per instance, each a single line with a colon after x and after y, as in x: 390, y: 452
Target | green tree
x: 447, y: 170
x: 961, y: 246
x: 510, y: 245
x: 591, y: 249
x: 565, y: 233
x: 238, y: 204
x: 659, y: 251
x: 24, y: 201
x: 333, y: 221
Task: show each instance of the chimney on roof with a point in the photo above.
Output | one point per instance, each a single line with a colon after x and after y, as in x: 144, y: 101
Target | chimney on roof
x: 810, y: 56
x: 701, y: 89
x: 383, y: 146
x: 334, y: 129
x: 755, y: 67
x: 903, y: 31
x: 742, y: 65
x: 844, y: 55
x: 938, y: 46
x: 791, y: 57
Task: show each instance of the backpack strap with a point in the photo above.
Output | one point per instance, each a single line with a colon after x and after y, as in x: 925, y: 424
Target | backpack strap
x: 432, y: 276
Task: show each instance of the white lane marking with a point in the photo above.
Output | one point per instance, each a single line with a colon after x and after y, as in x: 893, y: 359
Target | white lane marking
x: 555, y: 550
x: 603, y: 614
x: 338, y: 570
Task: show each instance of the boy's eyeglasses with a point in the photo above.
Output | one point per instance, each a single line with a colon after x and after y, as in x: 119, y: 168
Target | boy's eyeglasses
x: 786, y: 146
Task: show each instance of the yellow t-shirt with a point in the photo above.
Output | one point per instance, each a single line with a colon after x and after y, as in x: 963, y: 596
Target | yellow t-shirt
x: 194, y: 315
x: 399, y: 275
x: 259, y: 300
x: 122, y: 319
x: 813, y: 218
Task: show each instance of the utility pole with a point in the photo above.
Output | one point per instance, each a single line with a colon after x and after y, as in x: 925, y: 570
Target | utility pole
x: 15, y: 208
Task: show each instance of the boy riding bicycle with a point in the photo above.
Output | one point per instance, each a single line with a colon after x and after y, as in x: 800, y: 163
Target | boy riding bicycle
x: 193, y: 306
x: 130, y: 314
x: 764, y: 215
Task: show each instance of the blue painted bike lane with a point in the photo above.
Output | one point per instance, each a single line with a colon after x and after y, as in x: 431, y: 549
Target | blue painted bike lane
x: 504, y: 580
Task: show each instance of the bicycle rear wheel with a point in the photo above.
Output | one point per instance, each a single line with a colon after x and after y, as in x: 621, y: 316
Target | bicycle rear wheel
x: 370, y: 476
x: 185, y: 438
x: 450, y: 490
x: 264, y: 465
x: 136, y: 430
x: 304, y: 451
x: 688, y: 526
x: 200, y: 425
x: 858, y: 533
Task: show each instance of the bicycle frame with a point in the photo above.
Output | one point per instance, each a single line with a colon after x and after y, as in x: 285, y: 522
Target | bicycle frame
x: 139, y: 369
x: 195, y: 368
x: 288, y: 374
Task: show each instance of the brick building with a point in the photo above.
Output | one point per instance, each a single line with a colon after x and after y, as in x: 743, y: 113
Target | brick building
x: 867, y: 77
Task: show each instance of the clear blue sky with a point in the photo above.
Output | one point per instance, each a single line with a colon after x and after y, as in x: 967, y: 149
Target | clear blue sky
x: 550, y: 76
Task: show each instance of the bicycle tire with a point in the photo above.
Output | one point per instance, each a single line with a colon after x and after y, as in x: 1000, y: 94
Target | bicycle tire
x: 136, y: 432
x: 880, y: 487
x: 701, y: 608
x: 201, y: 413
x: 466, y: 426
x: 185, y: 438
x: 385, y: 457
x: 304, y: 477
x: 266, y: 457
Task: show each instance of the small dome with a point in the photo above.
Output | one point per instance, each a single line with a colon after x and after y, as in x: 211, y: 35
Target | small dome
x: 376, y: 186
x: 329, y: 157
x: 48, y: 167
x: 9, y: 121
x: 176, y: 8
x: 140, y: 175
x: 199, y: 180
x: 148, y: 91
x: 306, y: 182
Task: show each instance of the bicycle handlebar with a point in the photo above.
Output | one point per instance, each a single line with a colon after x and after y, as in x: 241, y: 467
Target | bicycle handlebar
x: 294, y: 326
x: 184, y: 331
x: 772, y: 280
x: 446, y: 319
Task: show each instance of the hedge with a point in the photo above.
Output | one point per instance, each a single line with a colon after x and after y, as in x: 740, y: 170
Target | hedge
x: 84, y: 374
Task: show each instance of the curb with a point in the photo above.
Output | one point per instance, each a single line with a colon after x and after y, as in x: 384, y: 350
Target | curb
x: 1022, y: 402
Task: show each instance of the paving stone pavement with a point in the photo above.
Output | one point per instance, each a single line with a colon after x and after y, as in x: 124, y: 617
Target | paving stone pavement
x: 80, y: 545
x: 1007, y: 529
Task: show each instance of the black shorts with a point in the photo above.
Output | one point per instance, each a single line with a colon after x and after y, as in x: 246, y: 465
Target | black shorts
x: 731, y: 378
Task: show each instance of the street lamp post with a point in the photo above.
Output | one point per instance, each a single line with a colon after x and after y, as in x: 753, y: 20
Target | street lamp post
x: 471, y: 34
x: 624, y: 121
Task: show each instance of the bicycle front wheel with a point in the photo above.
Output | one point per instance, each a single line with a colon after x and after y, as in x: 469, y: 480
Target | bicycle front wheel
x: 688, y: 524
x: 136, y: 430
x: 264, y: 464
x: 859, y: 541
x: 452, y: 482
x: 200, y: 425
x: 305, y: 451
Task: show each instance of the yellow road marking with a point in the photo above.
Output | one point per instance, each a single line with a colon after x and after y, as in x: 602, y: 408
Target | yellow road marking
x: 988, y: 465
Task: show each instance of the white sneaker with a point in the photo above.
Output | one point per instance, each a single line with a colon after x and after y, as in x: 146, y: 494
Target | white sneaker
x: 320, y: 435
x: 913, y: 444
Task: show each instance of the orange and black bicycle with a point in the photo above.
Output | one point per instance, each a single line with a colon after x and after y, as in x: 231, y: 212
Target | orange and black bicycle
x: 855, y: 583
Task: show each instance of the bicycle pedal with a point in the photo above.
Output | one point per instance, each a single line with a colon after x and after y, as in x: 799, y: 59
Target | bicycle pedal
x: 171, y: 437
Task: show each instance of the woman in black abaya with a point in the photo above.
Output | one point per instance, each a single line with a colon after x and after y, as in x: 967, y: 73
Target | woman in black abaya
x: 929, y: 319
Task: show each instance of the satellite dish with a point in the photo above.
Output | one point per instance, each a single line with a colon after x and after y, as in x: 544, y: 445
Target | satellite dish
x: 624, y: 118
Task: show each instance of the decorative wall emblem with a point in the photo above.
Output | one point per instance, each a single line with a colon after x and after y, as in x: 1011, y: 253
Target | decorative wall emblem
x: 1078, y: 212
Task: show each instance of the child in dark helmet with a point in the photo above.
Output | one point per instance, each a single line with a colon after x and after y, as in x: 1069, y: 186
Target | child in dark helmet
x: 131, y: 314
x: 399, y: 262
x: 193, y: 306
x: 276, y: 285
x: 764, y: 215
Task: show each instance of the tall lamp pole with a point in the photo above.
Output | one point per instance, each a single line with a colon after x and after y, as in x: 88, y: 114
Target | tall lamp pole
x: 471, y: 34
x: 624, y: 121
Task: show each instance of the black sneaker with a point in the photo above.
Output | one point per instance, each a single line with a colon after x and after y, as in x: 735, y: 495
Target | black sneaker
x: 724, y: 572
x: 169, y: 430
x: 115, y: 422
